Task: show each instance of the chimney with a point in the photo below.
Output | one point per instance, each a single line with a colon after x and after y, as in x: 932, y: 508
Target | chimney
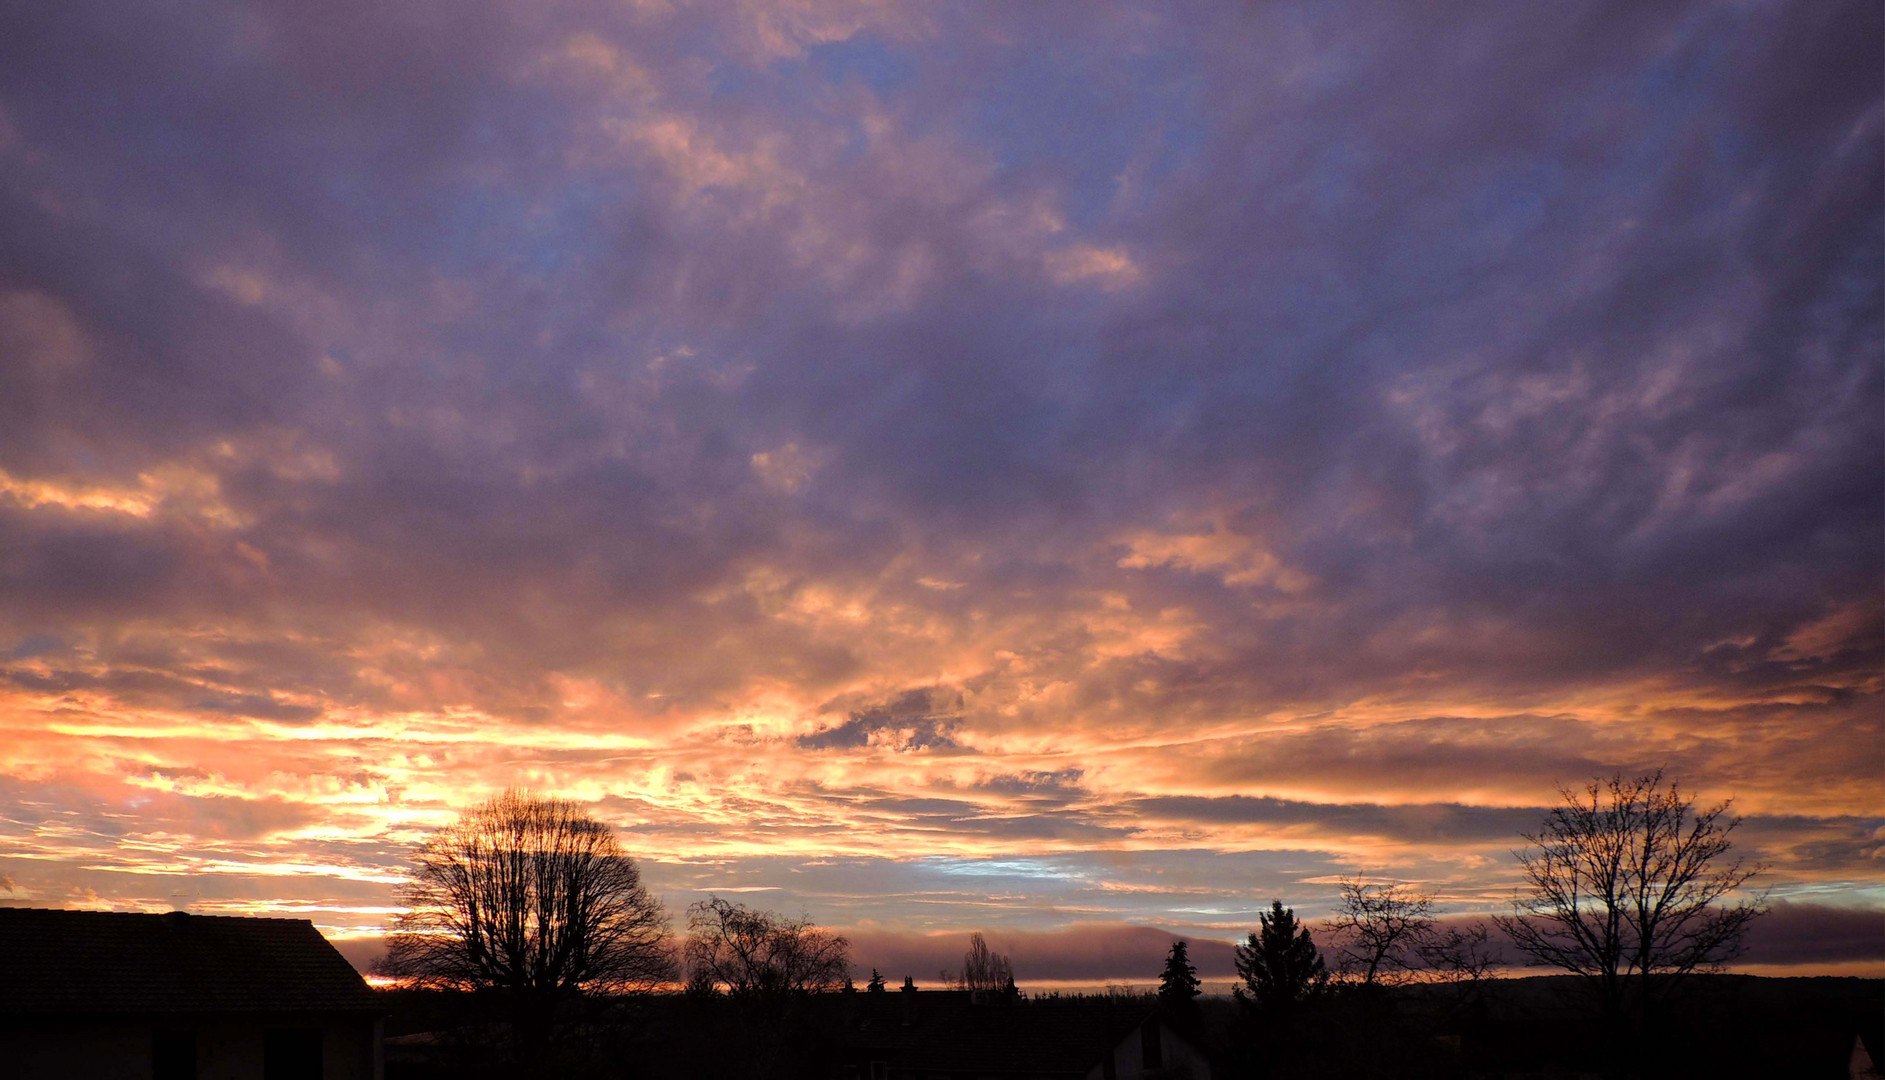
x: 909, y: 1001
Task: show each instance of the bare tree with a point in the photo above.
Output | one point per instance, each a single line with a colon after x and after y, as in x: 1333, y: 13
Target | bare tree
x: 1468, y: 956
x: 1628, y: 884
x: 1378, y: 930
x: 1464, y: 962
x: 760, y: 955
x: 531, y: 898
x: 982, y: 969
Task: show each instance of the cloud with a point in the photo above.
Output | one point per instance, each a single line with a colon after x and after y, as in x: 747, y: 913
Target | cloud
x: 1807, y: 933
x: 904, y: 724
x: 1431, y: 823
x: 1235, y: 448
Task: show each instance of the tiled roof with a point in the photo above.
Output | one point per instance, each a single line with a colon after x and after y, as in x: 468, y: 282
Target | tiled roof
x: 103, y: 962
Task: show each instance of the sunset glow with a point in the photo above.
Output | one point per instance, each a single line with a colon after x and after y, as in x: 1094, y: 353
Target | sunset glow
x: 1053, y: 470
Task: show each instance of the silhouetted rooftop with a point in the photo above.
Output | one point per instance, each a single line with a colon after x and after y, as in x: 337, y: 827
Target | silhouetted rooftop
x: 102, y: 962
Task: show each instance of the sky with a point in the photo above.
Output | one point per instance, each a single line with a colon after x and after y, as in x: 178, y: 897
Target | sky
x: 1073, y: 471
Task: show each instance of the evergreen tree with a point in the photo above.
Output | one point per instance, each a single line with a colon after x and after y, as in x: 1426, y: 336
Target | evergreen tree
x: 876, y: 985
x: 1280, y: 966
x: 1178, y: 984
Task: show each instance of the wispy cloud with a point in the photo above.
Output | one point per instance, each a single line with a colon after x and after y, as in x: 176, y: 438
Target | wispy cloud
x: 1162, y: 462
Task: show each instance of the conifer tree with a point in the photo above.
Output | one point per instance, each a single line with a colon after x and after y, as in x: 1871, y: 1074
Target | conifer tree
x: 1178, y: 984
x: 1279, y: 965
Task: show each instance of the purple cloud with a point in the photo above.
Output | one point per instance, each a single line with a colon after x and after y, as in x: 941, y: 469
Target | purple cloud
x: 1012, y: 433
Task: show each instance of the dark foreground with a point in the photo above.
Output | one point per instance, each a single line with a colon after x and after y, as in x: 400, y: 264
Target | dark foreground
x: 1725, y: 1027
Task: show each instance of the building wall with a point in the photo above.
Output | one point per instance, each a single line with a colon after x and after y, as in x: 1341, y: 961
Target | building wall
x: 1181, y: 1060
x: 43, y: 1051
x: 226, y: 1048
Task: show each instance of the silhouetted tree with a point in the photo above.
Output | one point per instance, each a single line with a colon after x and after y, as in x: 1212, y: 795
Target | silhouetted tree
x: 1178, y: 983
x: 1627, y: 885
x: 760, y: 955
x: 982, y: 969
x: 533, y: 899
x: 876, y: 985
x: 1279, y: 965
x: 1464, y: 962
x: 1379, y: 929
x: 1461, y: 956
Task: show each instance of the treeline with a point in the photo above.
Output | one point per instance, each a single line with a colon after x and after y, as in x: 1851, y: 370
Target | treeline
x: 528, y: 909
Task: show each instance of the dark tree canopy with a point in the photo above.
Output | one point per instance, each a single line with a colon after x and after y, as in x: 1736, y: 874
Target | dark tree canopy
x: 761, y: 955
x: 532, y: 898
x: 1279, y: 965
x: 1178, y: 984
x: 1630, y: 885
x: 529, y: 895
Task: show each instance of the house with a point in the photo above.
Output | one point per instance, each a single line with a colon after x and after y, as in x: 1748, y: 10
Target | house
x: 960, y: 1035
x: 179, y: 997
x: 1860, y: 1064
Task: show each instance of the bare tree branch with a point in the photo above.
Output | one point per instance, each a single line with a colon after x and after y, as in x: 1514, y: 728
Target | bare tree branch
x: 1379, y: 929
x: 1629, y: 885
x: 758, y: 954
x: 533, y: 898
x: 982, y: 968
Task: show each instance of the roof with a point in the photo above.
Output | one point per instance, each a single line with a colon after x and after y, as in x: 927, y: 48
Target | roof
x: 107, y: 962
